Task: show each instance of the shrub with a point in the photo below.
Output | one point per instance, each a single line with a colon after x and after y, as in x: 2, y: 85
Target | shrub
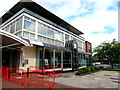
x: 77, y: 73
x: 83, y: 68
x: 80, y: 71
x: 112, y: 69
x: 97, y: 68
x: 92, y: 68
x: 88, y: 69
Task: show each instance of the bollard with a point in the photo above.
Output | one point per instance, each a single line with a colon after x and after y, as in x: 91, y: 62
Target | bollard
x: 27, y: 72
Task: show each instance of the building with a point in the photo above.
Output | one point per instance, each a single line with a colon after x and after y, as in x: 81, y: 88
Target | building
x: 33, y: 36
x: 88, y: 48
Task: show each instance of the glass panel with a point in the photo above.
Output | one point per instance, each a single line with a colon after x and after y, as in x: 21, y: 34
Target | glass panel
x: 67, y: 60
x: 7, y: 28
x: 50, y: 32
x: 19, y: 24
x: 48, y: 40
x: 82, y: 61
x: 41, y: 29
x: 57, y: 35
x: 44, y: 39
x: 12, y: 28
x: 18, y: 34
x: 40, y: 38
x: 26, y: 34
x: 39, y: 57
x: 51, y: 41
x: 57, y: 58
x: 49, y: 58
x: 32, y: 36
x: 66, y: 37
x: 29, y: 24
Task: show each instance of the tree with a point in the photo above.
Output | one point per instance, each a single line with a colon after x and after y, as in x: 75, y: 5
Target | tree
x: 108, y: 51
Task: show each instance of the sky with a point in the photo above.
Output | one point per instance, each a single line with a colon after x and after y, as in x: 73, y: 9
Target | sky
x: 97, y: 19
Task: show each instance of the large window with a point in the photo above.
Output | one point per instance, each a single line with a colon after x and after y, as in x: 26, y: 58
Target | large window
x: 29, y: 24
x: 12, y: 27
x: 19, y: 24
x: 49, y: 58
x: 59, y: 35
x: 57, y: 58
x: 66, y: 37
x: 81, y: 60
x: 67, y: 60
x: 41, y: 29
x: 50, y: 32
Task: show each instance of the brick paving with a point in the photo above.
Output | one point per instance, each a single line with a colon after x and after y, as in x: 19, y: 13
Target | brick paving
x: 101, y: 79
x: 14, y: 85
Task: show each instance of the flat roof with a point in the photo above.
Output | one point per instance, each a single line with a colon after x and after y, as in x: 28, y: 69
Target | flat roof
x: 36, y: 8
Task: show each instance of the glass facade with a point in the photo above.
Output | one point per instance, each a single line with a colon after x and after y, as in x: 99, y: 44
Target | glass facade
x: 34, y: 29
x: 19, y: 24
x: 15, y: 26
x: 12, y: 27
x: 49, y: 57
x: 41, y: 29
x: 58, y: 58
x: 81, y: 60
x: 67, y: 61
x: 29, y: 24
x: 53, y: 57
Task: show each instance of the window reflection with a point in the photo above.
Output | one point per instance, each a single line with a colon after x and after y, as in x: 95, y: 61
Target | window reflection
x: 67, y: 60
x: 29, y: 24
x: 50, y: 32
x: 66, y: 37
x: 12, y: 28
x: 19, y: 24
x: 57, y: 58
x: 49, y: 58
x: 81, y: 60
x: 59, y: 35
x: 41, y: 29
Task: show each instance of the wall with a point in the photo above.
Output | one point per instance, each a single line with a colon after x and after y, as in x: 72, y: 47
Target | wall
x: 29, y: 53
x: 88, y: 47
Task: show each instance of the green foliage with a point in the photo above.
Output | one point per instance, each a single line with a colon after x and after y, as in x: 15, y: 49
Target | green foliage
x: 97, y: 68
x: 88, y: 69
x: 108, y: 51
x: 83, y: 68
x: 92, y: 68
x: 112, y: 69
x: 80, y: 71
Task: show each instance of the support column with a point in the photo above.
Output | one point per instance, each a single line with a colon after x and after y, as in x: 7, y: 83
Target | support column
x: 54, y: 57
x: 62, y: 59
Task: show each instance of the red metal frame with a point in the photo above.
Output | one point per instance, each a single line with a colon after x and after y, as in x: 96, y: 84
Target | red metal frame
x: 48, y: 79
x: 17, y: 75
x: 3, y: 72
x: 57, y: 72
x: 20, y: 76
x: 35, y: 69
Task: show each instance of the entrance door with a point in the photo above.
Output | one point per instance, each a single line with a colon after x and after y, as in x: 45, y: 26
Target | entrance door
x: 10, y: 58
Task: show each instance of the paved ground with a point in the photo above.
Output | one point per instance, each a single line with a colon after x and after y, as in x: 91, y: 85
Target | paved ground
x: 101, y: 79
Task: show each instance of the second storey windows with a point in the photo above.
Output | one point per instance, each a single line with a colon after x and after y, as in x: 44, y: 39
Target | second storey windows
x: 29, y: 24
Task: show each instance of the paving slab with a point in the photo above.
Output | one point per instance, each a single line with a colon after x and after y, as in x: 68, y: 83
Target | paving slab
x: 100, y: 79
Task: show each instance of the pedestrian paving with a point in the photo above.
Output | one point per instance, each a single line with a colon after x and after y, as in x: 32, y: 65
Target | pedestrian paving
x: 101, y: 79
